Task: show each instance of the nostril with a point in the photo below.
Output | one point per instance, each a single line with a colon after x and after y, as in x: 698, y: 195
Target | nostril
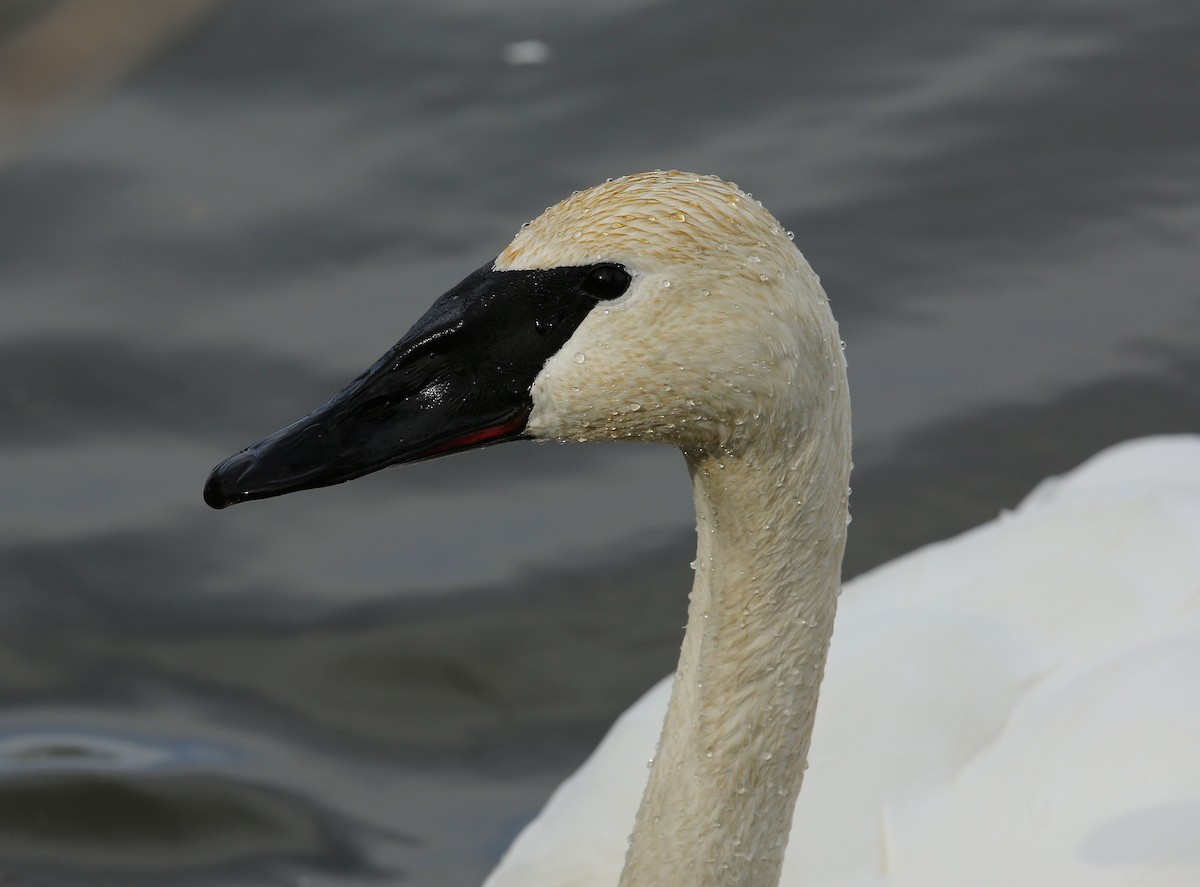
x: 374, y: 407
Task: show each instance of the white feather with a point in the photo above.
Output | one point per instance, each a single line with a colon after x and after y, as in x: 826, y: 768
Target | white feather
x: 1018, y: 705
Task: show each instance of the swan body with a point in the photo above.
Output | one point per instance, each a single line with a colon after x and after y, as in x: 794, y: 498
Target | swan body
x: 1018, y: 706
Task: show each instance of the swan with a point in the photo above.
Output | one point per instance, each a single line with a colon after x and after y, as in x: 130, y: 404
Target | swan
x: 1018, y: 705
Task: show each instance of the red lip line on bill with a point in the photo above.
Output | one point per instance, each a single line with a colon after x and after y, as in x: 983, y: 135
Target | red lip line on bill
x: 475, y: 438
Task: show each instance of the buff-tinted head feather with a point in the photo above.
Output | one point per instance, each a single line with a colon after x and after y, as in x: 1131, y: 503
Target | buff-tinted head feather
x: 722, y: 314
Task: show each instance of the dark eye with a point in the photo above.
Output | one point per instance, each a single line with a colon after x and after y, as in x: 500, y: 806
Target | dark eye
x: 606, y: 281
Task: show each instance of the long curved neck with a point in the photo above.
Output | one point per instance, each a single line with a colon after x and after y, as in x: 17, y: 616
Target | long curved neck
x: 771, y: 524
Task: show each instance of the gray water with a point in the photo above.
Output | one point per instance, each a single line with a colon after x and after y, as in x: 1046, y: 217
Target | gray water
x: 381, y: 682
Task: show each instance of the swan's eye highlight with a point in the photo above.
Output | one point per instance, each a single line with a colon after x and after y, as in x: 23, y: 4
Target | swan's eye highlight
x: 606, y: 282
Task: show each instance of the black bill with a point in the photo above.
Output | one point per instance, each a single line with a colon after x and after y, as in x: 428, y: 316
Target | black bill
x: 459, y: 379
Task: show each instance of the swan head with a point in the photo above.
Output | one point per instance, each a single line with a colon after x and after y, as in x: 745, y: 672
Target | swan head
x: 663, y: 306
x: 721, y: 317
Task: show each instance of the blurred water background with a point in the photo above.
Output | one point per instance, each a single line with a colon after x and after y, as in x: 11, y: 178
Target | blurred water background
x: 214, y: 214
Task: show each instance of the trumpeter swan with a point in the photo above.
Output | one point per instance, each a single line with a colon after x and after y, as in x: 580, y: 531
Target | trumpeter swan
x: 1018, y: 706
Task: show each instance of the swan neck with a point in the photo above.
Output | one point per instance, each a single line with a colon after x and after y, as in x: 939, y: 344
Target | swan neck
x: 771, y: 530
